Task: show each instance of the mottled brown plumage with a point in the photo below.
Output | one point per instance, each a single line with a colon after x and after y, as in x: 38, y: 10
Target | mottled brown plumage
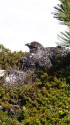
x: 41, y: 56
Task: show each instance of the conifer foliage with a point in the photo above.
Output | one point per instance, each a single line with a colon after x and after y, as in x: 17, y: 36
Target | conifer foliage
x: 62, y: 13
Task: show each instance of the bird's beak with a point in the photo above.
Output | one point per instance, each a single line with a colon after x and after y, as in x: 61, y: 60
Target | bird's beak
x: 28, y: 44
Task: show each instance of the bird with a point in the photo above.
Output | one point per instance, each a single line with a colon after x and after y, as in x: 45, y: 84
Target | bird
x: 40, y: 56
x: 35, y: 47
x: 37, y: 56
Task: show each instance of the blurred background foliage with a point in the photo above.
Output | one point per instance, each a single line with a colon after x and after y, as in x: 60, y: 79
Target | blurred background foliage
x: 62, y: 13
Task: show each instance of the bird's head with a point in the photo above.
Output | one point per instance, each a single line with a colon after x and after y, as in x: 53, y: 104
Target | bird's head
x: 34, y: 46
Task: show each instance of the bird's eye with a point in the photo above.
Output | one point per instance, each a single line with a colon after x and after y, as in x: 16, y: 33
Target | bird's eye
x: 33, y: 47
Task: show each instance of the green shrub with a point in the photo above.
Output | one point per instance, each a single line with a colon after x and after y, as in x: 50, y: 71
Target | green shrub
x: 44, y: 102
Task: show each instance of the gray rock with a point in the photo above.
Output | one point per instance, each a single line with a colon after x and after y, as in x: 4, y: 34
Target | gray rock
x: 18, y: 77
x: 2, y: 73
x: 1, y: 107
